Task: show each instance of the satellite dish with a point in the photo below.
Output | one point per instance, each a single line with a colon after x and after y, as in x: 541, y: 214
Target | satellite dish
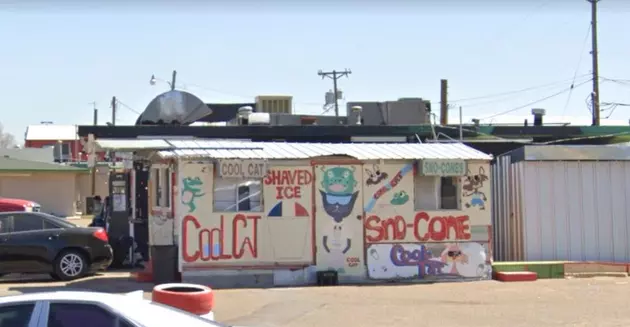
x: 174, y: 108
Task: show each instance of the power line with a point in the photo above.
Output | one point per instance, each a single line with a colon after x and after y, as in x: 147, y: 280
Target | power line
x: 537, y: 101
x: 185, y: 85
x: 566, y: 104
x: 127, y: 107
x: 503, y: 99
x: 496, y: 95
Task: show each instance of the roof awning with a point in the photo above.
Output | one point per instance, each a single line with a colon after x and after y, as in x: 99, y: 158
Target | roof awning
x: 222, y: 149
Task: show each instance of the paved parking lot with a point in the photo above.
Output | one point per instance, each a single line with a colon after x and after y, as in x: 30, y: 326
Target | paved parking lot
x: 577, y: 302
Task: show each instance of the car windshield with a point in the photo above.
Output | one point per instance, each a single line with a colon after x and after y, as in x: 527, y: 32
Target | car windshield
x: 148, y: 313
x: 59, y: 221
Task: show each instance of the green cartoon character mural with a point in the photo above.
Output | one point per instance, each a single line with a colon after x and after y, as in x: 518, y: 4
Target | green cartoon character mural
x: 191, y: 190
x: 338, y: 191
x: 399, y: 198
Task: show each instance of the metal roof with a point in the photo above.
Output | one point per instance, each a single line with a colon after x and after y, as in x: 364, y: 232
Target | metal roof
x: 221, y: 149
x: 571, y: 153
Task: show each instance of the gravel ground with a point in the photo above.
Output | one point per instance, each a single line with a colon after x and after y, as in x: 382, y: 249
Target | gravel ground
x: 574, y: 302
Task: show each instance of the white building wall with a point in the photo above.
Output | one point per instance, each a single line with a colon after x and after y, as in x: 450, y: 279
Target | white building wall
x: 576, y: 211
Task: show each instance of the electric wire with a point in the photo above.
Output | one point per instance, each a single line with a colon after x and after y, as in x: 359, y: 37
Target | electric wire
x: 127, y: 107
x: 531, y: 88
x: 566, y: 104
x: 503, y: 99
x: 535, y: 102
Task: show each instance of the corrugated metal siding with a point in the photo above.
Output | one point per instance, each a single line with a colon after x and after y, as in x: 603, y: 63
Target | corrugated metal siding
x: 361, y: 151
x: 576, y: 211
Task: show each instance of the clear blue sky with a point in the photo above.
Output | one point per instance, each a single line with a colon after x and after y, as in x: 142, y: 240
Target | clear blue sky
x: 59, y: 57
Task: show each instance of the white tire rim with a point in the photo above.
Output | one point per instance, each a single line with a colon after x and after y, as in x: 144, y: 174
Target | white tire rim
x: 71, y: 265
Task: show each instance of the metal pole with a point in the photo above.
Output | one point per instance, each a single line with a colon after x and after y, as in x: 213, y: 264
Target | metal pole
x: 93, y: 170
x: 173, y: 80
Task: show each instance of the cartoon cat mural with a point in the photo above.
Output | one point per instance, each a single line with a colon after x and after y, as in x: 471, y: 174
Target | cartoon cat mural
x: 338, y: 192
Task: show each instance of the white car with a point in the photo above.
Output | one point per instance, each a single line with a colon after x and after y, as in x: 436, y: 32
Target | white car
x: 93, y: 309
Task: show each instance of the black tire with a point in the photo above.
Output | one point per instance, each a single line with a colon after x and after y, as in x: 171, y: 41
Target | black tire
x: 70, y: 265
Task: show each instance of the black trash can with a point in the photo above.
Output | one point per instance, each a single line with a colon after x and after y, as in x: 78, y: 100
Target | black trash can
x: 327, y: 278
x: 165, y: 267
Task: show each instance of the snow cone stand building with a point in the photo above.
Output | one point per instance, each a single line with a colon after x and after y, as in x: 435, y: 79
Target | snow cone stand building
x: 241, y: 213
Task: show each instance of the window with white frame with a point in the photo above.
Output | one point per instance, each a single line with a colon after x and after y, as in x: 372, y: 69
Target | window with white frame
x: 161, y: 184
x: 236, y: 194
x: 436, y: 193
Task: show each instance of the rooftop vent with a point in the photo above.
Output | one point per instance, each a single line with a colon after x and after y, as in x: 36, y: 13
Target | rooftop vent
x: 538, y: 116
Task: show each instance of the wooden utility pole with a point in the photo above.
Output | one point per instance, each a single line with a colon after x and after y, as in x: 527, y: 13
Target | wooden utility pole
x: 335, y: 75
x: 595, y: 94
x: 443, y: 102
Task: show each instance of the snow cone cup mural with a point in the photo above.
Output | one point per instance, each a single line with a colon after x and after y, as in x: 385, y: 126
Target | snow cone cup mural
x: 338, y: 220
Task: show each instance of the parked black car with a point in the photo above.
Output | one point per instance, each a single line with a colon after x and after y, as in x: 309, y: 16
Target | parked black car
x: 35, y: 242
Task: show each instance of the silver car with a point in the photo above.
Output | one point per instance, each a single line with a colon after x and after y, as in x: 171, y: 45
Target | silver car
x: 93, y: 309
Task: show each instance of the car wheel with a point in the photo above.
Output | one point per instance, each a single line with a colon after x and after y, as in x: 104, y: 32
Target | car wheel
x: 70, y: 265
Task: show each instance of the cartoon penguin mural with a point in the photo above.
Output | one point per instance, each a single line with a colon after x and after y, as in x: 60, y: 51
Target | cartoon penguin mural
x: 338, y: 192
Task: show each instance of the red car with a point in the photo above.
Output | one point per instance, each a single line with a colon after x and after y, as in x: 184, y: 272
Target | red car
x: 7, y: 205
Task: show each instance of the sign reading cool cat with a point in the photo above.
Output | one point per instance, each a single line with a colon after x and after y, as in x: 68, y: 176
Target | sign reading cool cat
x: 242, y: 168
x: 443, y: 167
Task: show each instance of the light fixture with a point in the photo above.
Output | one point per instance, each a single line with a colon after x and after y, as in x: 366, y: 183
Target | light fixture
x: 152, y: 81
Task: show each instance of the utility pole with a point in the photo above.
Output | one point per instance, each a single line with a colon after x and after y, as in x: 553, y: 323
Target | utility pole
x: 335, y: 75
x: 95, y: 113
x: 443, y: 102
x: 595, y: 95
x: 112, y: 154
x: 114, y: 111
x: 93, y: 170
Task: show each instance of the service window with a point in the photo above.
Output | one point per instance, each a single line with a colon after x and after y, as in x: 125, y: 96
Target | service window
x: 17, y: 315
x: 436, y: 193
x: 236, y: 194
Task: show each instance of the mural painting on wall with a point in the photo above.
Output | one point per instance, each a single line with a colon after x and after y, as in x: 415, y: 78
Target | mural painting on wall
x: 235, y: 237
x: 288, y: 198
x: 472, y: 186
x: 191, y: 190
x: 429, y: 260
x: 205, y: 236
x: 397, y: 199
x: 339, y: 192
x: 290, y: 187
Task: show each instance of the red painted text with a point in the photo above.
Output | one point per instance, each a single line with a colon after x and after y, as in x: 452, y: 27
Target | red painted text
x: 424, y: 228
x: 208, y: 238
x: 288, y: 182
